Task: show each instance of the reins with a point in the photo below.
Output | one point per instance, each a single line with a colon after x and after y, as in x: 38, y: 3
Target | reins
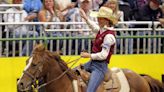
x: 45, y: 84
x: 72, y: 60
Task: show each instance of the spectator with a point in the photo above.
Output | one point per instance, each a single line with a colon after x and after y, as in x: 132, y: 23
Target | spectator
x: 19, y: 30
x: 62, y: 4
x: 103, y: 2
x: 114, y: 5
x: 49, y: 14
x: 96, y: 4
x: 2, y: 26
x: 125, y: 7
x: 161, y: 20
x: 73, y: 15
x: 73, y: 4
x: 149, y: 12
x: 32, y: 7
x: 5, y: 1
x: 136, y: 4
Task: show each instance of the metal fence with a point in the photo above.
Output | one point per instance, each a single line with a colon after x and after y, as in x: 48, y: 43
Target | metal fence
x: 134, y: 37
x: 70, y: 42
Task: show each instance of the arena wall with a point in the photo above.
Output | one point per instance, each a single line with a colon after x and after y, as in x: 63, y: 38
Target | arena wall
x: 152, y: 64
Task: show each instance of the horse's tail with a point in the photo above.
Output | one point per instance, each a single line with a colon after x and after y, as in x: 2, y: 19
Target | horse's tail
x: 155, y: 85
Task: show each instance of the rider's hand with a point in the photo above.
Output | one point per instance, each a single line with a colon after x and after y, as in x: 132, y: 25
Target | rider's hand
x: 85, y: 55
x: 83, y: 14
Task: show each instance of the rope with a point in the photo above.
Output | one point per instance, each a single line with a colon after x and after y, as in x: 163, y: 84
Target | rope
x: 73, y: 60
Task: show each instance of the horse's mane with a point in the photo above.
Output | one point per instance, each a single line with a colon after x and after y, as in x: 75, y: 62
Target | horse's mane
x: 40, y: 52
x: 155, y: 85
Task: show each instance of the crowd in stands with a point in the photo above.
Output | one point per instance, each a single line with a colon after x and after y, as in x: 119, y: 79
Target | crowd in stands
x: 58, y: 11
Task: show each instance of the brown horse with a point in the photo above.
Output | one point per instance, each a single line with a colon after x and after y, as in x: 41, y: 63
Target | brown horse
x: 154, y: 84
x: 58, y: 77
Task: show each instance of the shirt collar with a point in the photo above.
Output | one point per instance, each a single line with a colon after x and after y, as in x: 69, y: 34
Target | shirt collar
x: 105, y: 28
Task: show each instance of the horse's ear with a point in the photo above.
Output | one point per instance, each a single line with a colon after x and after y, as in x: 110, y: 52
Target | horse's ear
x: 59, y: 52
x: 39, y: 48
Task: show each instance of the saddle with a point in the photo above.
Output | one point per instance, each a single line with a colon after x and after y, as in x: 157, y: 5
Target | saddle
x: 111, y: 81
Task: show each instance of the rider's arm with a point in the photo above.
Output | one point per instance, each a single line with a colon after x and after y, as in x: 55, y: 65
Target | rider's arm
x: 92, y: 25
x: 108, y: 41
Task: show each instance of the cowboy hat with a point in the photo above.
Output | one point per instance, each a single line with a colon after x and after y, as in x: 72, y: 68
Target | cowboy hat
x: 105, y: 12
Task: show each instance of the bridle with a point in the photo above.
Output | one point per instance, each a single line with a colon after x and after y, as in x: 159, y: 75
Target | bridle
x: 34, y: 78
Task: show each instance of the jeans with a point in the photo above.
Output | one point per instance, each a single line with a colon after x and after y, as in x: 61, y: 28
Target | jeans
x: 97, y: 70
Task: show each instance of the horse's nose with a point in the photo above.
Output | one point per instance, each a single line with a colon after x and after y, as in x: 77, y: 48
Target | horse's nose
x: 20, y: 85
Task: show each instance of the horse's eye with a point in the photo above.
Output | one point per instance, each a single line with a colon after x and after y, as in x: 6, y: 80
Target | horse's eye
x: 33, y: 65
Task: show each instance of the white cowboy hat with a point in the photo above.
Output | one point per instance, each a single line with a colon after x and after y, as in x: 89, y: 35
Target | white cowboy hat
x: 105, y: 12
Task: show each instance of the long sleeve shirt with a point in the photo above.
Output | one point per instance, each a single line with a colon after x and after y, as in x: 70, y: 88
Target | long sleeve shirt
x: 109, y: 40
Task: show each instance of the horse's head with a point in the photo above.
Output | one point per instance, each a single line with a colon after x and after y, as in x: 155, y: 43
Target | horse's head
x: 38, y: 66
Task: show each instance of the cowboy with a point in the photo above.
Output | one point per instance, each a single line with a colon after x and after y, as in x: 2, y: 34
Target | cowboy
x: 102, y: 48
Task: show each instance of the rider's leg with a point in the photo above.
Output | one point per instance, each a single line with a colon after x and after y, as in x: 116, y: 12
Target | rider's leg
x: 96, y: 78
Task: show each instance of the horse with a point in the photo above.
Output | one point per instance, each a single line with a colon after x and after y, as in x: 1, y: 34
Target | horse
x: 58, y: 77
x: 154, y: 84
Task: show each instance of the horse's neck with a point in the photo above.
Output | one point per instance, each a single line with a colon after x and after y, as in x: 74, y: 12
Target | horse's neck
x: 58, y: 85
